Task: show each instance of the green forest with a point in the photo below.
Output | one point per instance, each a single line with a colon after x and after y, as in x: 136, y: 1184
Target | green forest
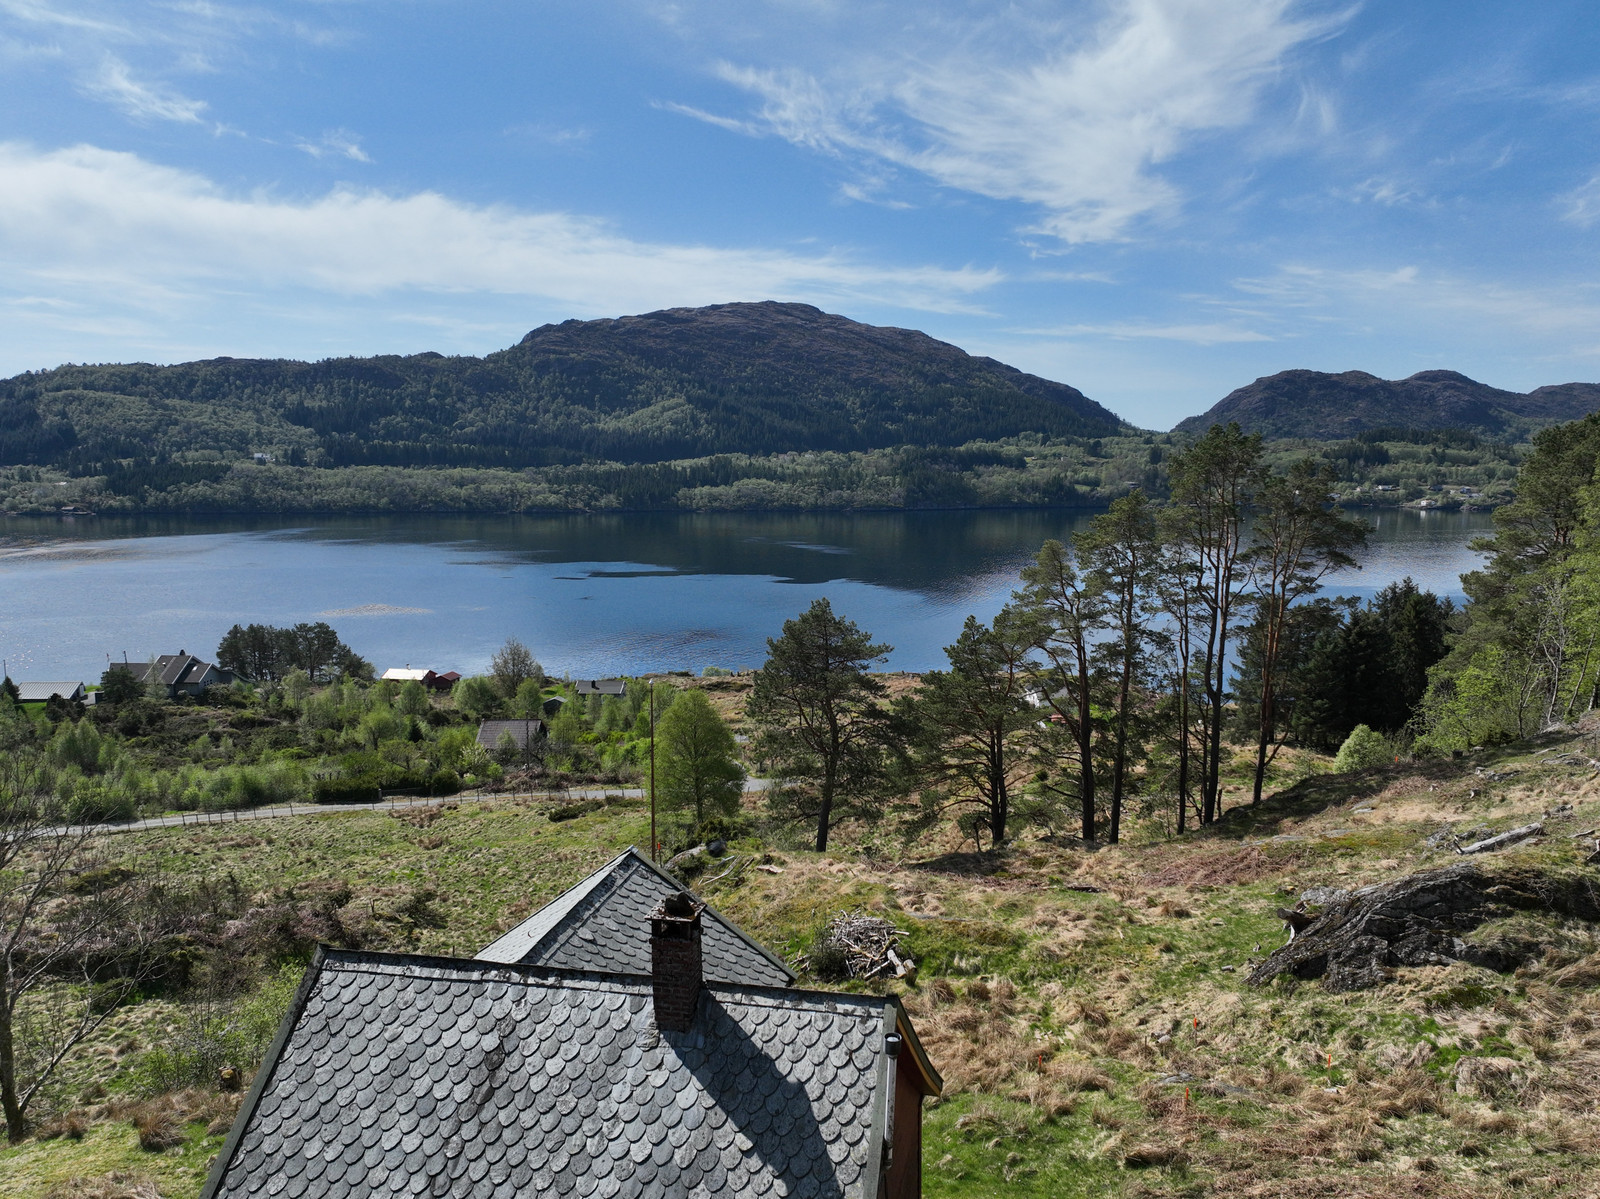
x: 1388, y: 468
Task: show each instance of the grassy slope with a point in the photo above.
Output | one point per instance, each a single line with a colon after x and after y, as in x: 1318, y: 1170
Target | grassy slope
x: 1094, y: 1042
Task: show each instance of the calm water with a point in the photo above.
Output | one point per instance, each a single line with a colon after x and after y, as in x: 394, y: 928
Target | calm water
x: 591, y: 595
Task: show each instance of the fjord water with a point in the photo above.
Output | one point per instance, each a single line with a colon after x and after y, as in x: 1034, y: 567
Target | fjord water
x: 592, y: 595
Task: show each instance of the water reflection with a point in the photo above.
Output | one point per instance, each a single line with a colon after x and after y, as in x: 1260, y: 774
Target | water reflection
x: 591, y: 594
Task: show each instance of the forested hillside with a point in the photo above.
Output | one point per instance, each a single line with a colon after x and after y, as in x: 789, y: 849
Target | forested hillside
x: 733, y: 378
x: 1321, y: 406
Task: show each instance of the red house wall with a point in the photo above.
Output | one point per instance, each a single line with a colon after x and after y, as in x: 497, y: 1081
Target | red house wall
x: 905, y: 1166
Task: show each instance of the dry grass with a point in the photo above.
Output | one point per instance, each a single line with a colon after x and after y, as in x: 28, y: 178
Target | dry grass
x: 118, y: 1184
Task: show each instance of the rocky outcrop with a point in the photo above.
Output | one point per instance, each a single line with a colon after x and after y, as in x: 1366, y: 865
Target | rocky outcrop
x: 1355, y: 939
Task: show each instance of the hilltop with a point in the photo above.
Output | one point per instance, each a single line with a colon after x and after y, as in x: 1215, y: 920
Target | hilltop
x: 1324, y: 407
x: 761, y: 378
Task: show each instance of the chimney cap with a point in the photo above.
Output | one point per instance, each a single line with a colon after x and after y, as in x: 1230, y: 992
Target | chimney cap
x: 680, y: 906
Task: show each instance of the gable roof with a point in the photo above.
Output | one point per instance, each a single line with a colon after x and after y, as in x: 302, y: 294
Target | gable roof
x: 395, y: 1075
x: 603, y: 924
x: 33, y: 692
x: 600, y: 686
x: 405, y: 674
x: 522, y: 732
x: 177, y: 670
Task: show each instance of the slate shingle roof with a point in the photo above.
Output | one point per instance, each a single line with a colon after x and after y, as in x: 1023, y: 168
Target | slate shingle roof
x: 398, y: 1076
x: 523, y: 732
x: 603, y: 924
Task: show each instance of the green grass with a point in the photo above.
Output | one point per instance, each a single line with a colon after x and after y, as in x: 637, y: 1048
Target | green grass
x: 35, y: 1167
x: 1024, y: 982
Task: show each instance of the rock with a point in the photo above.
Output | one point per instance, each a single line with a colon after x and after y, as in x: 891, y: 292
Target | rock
x: 1322, y: 896
x: 1420, y: 920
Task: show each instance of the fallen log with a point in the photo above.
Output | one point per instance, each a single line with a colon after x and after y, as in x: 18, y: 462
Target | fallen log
x: 1503, y: 840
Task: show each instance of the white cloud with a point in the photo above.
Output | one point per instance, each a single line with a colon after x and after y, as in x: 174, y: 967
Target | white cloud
x: 1075, y: 127
x: 114, y: 83
x: 336, y: 143
x: 86, y: 222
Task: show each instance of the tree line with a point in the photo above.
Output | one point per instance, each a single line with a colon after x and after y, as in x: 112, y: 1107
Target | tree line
x: 1525, y: 657
x: 1127, y: 665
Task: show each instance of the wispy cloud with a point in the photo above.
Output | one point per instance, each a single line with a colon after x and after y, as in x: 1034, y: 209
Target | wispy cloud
x: 86, y: 219
x: 1077, y: 127
x: 114, y: 83
x: 336, y: 143
x: 135, y: 48
x: 1556, y: 316
x: 1193, y: 334
x: 1581, y: 205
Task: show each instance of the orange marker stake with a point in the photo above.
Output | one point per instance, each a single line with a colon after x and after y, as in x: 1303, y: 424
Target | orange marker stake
x: 1330, y: 1061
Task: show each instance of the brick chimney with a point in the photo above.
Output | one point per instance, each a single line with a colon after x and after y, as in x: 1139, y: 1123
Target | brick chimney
x: 675, y: 973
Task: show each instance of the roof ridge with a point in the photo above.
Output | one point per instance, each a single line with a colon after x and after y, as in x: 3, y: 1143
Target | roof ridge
x: 737, y: 931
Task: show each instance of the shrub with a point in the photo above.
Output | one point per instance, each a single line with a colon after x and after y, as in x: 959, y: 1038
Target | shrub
x: 98, y: 803
x: 572, y: 811
x: 1364, y: 747
x: 210, y: 1037
x: 362, y: 790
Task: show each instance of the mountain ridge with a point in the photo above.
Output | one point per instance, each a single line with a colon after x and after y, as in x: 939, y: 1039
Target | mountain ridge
x: 1325, y: 406
x: 758, y: 378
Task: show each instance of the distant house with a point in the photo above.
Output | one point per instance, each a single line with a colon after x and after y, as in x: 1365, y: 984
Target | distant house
x: 37, y: 693
x: 523, y: 732
x: 182, y: 674
x: 599, y: 686
x: 624, y: 1045
x: 430, y: 680
x: 404, y: 674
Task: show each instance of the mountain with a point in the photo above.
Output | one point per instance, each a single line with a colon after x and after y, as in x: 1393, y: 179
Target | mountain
x: 1313, y: 404
x: 758, y: 378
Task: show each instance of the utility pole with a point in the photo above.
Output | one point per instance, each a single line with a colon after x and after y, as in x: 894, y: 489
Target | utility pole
x: 655, y: 853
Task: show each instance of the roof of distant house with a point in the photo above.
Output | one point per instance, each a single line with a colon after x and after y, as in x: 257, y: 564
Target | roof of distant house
x: 402, y: 1074
x: 29, y: 692
x: 521, y: 731
x: 404, y: 674
x: 600, y: 686
x: 175, y: 670
x: 603, y: 923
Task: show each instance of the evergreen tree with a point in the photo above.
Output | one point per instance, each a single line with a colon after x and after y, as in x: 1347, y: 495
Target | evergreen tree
x: 819, y: 718
x: 1121, y: 550
x: 1297, y: 537
x: 967, y: 723
x: 1214, y: 482
x: 119, y: 686
x: 1066, y: 612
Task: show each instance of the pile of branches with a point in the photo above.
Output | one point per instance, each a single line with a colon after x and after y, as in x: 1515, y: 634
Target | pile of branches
x: 855, y: 945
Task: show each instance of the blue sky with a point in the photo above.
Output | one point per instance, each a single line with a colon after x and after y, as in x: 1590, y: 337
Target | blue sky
x: 1153, y: 200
